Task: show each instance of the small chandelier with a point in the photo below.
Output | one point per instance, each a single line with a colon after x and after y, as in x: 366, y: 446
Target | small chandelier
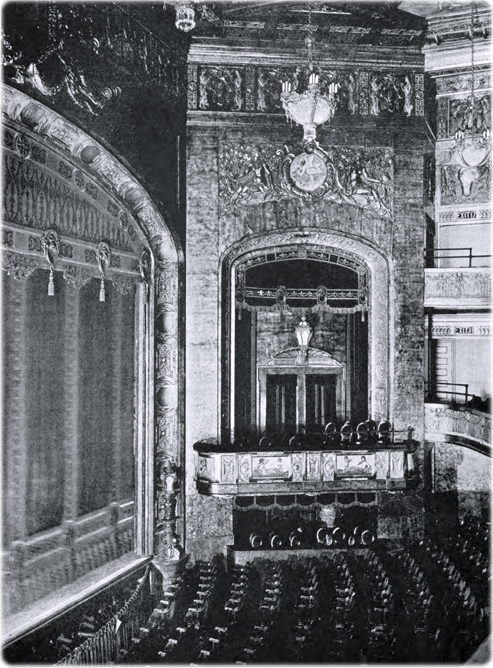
x: 472, y: 147
x: 185, y: 17
x: 310, y: 108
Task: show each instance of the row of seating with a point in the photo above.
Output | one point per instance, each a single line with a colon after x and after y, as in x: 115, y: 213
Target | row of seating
x: 351, y: 606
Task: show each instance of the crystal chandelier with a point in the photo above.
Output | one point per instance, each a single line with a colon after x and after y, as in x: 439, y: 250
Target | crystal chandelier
x: 472, y: 142
x: 310, y: 108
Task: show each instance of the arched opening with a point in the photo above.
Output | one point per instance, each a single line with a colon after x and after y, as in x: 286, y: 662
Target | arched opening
x: 90, y: 271
x: 269, y: 287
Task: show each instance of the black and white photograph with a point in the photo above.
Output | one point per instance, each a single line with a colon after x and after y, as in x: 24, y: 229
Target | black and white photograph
x: 246, y: 324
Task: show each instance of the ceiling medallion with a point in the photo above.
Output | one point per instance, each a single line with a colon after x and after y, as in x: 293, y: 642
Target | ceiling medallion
x: 309, y: 174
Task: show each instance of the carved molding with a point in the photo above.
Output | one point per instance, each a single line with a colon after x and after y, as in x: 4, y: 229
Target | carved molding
x: 441, y: 420
x: 458, y: 215
x: 315, y: 358
x: 84, y: 150
x: 378, y: 289
x: 444, y: 325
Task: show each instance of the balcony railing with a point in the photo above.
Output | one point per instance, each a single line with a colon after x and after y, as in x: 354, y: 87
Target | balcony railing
x: 443, y: 392
x: 434, y: 257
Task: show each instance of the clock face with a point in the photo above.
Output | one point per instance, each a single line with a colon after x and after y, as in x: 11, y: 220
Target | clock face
x: 308, y: 171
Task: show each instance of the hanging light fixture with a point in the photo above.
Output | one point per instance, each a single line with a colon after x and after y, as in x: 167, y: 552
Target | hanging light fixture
x: 185, y: 16
x: 303, y: 335
x: 310, y: 108
x: 472, y: 143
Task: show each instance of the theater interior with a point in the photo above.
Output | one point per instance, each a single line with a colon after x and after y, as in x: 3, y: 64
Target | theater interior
x: 246, y: 332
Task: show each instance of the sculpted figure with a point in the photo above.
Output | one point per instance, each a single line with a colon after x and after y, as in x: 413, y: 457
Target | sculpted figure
x: 237, y: 86
x: 261, y: 83
x: 205, y: 78
x: 408, y: 89
x: 351, y: 91
x: 374, y: 97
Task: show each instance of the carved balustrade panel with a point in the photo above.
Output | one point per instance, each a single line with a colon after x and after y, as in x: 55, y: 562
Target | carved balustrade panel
x: 443, y: 421
x: 310, y: 471
x: 465, y: 288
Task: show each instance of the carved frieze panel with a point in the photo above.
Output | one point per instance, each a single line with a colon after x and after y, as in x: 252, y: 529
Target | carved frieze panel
x: 221, y: 88
x: 456, y: 284
x: 251, y: 174
x: 257, y: 88
x: 298, y: 466
x: 328, y: 465
x: 457, y: 113
x: 313, y: 466
x: 228, y: 473
x: 460, y: 82
x: 244, y: 468
x: 268, y: 88
x: 466, y: 114
x: 391, y: 93
x: 381, y: 464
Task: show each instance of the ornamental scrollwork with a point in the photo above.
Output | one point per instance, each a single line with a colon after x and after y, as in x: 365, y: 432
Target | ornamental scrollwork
x: 251, y: 175
x: 19, y: 266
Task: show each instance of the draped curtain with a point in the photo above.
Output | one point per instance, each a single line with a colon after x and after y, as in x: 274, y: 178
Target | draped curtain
x: 77, y: 378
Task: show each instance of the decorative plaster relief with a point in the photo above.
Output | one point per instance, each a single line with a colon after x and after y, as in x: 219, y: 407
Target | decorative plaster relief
x: 251, y: 174
x: 328, y: 466
x: 298, y: 466
x: 257, y: 88
x: 221, y: 88
x: 469, y: 424
x: 458, y: 284
x: 464, y: 175
x: 460, y: 82
x: 382, y: 464
x: 104, y: 36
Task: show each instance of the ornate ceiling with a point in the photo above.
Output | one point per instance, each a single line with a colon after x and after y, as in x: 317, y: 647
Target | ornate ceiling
x: 333, y: 23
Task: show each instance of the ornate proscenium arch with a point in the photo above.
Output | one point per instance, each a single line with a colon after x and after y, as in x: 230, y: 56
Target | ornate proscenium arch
x: 161, y: 451
x: 378, y: 294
